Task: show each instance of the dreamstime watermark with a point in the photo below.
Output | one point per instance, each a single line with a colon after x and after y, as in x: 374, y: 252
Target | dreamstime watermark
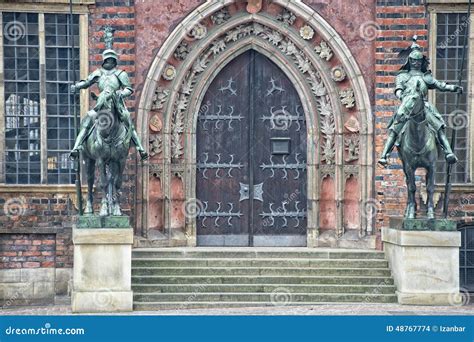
x: 281, y: 119
x: 461, y: 298
x: 192, y: 297
x: 369, y: 30
x: 192, y: 208
x: 14, y: 31
x: 281, y: 296
x: 105, y: 120
x: 47, y: 329
x: 370, y: 208
x: 458, y: 119
x: 103, y: 299
x: 15, y: 207
x: 449, y: 39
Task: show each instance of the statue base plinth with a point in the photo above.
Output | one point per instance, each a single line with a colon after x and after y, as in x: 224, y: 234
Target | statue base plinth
x: 102, y: 270
x: 424, y: 261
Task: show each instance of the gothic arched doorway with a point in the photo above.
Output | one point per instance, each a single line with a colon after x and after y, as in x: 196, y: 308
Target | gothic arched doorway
x: 251, y: 158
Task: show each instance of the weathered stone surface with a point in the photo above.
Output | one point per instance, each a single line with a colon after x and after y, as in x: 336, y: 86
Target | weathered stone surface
x: 102, y: 270
x: 423, y: 224
x: 425, y: 265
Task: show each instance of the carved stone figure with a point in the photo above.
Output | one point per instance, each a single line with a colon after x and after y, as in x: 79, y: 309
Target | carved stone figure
x: 417, y: 127
x: 106, y: 130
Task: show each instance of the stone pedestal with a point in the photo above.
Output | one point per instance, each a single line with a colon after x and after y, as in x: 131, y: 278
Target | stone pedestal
x: 102, y: 269
x: 424, y: 258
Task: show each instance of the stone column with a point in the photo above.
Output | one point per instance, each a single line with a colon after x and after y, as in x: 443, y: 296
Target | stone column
x: 424, y: 258
x: 102, y: 266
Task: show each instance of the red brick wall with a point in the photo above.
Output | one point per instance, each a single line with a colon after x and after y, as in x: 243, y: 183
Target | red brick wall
x: 27, y: 250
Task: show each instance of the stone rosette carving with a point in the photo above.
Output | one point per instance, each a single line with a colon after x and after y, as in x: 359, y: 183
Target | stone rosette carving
x: 198, y: 31
x: 347, y: 98
x: 307, y: 32
x: 338, y: 73
x: 169, y: 73
x: 324, y: 51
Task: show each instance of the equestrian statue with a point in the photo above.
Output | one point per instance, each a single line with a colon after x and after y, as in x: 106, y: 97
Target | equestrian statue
x: 417, y: 128
x: 106, y: 131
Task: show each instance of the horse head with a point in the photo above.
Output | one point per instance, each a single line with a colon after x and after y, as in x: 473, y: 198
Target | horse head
x: 413, y: 99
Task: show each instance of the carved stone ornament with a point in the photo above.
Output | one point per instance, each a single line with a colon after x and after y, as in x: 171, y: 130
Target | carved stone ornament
x: 160, y: 97
x: 220, y: 16
x: 182, y: 51
x: 156, y: 145
x: 352, y: 125
x: 347, y: 98
x: 324, y: 51
x: 287, y: 47
x: 156, y: 124
x: 307, y: 32
x: 338, y: 74
x: 198, y: 31
x: 287, y: 17
x: 169, y: 73
x: 351, y: 144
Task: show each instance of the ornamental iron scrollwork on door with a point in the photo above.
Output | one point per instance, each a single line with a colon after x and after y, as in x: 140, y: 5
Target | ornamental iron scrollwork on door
x: 296, y: 166
x: 282, y: 119
x: 205, y: 166
x: 218, y: 214
x: 283, y: 213
x: 217, y: 118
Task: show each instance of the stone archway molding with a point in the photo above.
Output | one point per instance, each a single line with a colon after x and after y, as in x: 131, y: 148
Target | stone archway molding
x: 187, y: 88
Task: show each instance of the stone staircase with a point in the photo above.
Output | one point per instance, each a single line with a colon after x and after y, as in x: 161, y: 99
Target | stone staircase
x: 178, y: 278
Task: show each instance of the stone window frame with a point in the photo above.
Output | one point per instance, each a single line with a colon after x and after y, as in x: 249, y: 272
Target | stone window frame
x: 47, y: 7
x: 455, y: 6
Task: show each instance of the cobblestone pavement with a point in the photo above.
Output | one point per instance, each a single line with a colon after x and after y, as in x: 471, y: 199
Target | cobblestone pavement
x: 323, y: 309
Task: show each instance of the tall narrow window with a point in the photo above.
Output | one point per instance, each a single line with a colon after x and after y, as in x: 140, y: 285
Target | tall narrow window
x: 59, y: 77
x: 22, y: 98
x: 37, y: 96
x: 451, y: 29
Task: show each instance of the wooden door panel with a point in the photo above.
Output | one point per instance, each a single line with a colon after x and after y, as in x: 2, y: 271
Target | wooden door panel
x: 251, y: 157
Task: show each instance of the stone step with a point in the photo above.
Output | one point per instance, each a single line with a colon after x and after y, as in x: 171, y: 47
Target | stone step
x: 152, y: 306
x: 282, y: 271
x: 258, y: 262
x: 261, y: 288
x: 283, y: 295
x: 254, y: 253
x: 232, y: 279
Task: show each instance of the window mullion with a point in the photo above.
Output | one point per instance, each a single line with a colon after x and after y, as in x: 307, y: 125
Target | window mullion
x: 43, y: 118
x: 470, y: 99
x: 2, y: 107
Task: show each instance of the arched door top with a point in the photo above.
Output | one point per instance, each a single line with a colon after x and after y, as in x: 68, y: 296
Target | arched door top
x: 319, y: 64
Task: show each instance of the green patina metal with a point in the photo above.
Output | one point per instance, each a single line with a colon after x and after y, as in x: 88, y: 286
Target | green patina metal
x: 107, y: 132
x: 417, y: 128
x: 423, y: 224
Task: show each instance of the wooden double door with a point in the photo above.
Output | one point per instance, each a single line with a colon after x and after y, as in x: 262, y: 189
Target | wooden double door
x: 251, y: 158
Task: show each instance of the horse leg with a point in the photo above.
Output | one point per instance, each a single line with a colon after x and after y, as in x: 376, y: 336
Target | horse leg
x: 430, y: 187
x: 104, y: 208
x: 117, y: 184
x: 90, y: 166
x: 411, y: 185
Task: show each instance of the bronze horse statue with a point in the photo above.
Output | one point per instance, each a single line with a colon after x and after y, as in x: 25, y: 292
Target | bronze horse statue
x: 107, y: 145
x: 417, y: 149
